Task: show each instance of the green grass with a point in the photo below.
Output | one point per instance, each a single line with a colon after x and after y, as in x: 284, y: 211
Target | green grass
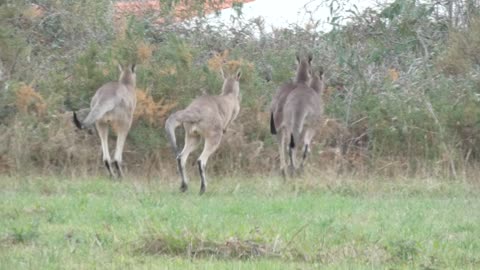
x: 257, y: 223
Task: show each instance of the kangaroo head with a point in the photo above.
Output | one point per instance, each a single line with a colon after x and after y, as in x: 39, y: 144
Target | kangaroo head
x: 127, y: 74
x: 304, y: 66
x: 231, y: 83
x: 316, y: 82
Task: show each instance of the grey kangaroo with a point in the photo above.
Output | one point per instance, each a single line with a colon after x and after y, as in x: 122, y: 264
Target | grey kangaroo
x: 278, y: 101
x: 312, y: 109
x: 296, y: 113
x: 206, y: 117
x: 113, y: 103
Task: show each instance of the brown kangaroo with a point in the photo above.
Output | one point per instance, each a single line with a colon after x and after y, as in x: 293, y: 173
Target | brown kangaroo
x: 113, y: 103
x: 206, y: 117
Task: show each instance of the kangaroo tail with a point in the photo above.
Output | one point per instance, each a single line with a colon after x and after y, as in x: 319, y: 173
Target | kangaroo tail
x: 77, y: 122
x: 299, y: 120
x: 175, y: 120
x: 273, y: 130
x: 95, y: 113
x: 292, y: 141
x: 170, y: 125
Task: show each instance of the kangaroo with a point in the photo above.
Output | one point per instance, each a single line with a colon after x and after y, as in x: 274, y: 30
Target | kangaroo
x: 278, y: 101
x: 302, y: 116
x: 313, y: 107
x: 316, y: 82
x: 207, y: 117
x: 113, y: 103
x: 287, y: 107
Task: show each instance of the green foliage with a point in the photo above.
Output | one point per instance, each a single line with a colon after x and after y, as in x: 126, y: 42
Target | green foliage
x: 144, y: 140
x: 13, y: 41
x: 462, y: 52
x: 403, y: 79
x: 88, y: 77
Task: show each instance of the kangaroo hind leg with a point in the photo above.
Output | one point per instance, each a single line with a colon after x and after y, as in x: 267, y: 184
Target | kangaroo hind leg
x: 307, y: 141
x: 102, y: 129
x: 211, y: 145
x: 192, y: 140
x: 281, y: 149
x: 122, y: 132
x: 292, y: 154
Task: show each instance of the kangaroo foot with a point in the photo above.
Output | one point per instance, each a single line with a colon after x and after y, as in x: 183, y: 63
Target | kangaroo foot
x: 109, y: 169
x: 291, y: 171
x: 183, y: 187
x: 119, y: 169
x: 284, y: 174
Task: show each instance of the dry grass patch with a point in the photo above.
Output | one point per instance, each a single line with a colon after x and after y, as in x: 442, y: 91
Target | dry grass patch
x: 232, y: 248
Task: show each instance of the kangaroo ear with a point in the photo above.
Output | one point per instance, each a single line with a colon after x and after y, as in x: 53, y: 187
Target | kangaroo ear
x: 133, y: 67
x: 310, y: 58
x: 239, y: 74
x: 297, y: 56
x: 120, y: 68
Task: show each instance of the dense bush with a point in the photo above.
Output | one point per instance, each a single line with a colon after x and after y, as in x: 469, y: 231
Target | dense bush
x: 403, y: 84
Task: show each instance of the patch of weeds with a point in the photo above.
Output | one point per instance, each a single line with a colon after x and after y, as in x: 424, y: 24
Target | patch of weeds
x: 160, y: 245
x: 102, y: 240
x: 403, y: 250
x: 12, y: 214
x: 47, y: 189
x: 23, y: 234
x: 353, y: 251
x: 147, y: 201
x: 36, y: 209
x: 432, y: 263
x: 467, y: 227
x: 345, y: 190
x: 54, y: 216
x: 232, y: 248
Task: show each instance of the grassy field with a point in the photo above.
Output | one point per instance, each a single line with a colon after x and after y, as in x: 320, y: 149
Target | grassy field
x: 254, y: 223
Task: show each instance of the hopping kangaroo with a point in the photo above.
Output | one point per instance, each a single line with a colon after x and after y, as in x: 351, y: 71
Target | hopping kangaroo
x: 313, y: 108
x: 278, y: 101
x: 296, y: 117
x: 206, y: 117
x: 113, y: 103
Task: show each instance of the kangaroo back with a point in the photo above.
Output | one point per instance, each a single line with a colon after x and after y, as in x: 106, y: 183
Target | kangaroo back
x: 278, y: 102
x: 107, y: 97
x: 300, y: 110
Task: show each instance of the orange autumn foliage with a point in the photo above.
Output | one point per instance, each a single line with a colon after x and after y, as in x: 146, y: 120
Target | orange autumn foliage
x: 144, y: 52
x: 28, y: 101
x: 219, y: 60
x: 393, y: 74
x: 154, y: 113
